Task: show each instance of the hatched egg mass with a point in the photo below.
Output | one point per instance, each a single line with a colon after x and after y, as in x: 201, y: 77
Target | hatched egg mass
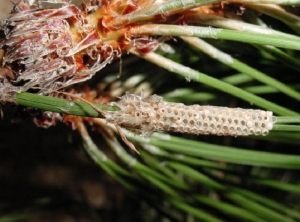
x: 148, y: 115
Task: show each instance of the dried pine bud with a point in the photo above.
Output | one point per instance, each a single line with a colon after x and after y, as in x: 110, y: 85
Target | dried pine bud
x: 148, y: 115
x: 50, y: 49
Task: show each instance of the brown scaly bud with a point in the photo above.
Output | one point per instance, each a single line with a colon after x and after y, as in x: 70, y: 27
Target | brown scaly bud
x: 50, y: 49
x: 148, y: 115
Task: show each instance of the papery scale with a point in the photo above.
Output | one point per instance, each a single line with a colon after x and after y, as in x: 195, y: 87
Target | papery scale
x: 50, y: 49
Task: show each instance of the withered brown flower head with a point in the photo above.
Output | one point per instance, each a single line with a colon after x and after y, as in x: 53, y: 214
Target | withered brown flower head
x: 50, y: 49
